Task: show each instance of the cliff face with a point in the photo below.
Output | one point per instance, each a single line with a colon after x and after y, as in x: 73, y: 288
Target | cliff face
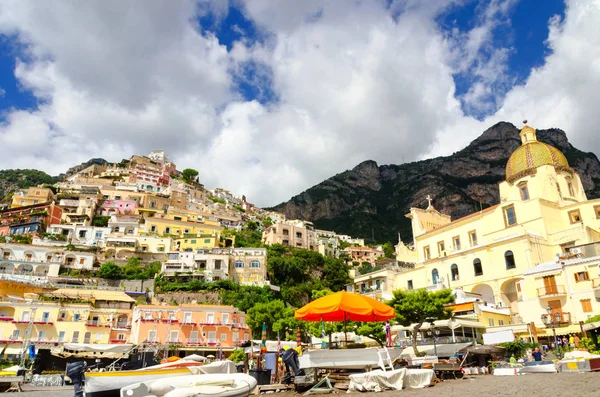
x: 372, y: 200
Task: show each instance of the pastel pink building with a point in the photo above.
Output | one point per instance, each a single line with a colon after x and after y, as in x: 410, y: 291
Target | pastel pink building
x: 111, y: 207
x: 190, y: 327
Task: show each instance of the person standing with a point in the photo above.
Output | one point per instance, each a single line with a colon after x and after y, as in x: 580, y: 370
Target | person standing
x: 536, y: 354
x: 576, y: 341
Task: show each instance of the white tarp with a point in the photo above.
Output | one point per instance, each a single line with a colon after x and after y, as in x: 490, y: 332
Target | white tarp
x: 397, y: 379
x: 84, y: 350
x: 443, y: 350
x: 377, y: 380
x: 341, y: 358
x: 418, y: 378
x: 494, y: 338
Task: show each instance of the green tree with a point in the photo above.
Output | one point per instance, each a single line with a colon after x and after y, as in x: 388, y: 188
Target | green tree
x: 189, y: 175
x: 375, y: 331
x: 110, y: 271
x: 267, y: 222
x: 417, y: 307
x: 389, y: 251
x: 237, y: 356
x: 335, y: 274
x: 274, y: 314
x: 365, y: 268
x: 246, y: 297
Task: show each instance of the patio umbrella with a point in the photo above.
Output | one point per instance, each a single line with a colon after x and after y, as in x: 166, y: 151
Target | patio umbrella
x: 344, y: 306
x: 298, y: 337
x: 263, y: 345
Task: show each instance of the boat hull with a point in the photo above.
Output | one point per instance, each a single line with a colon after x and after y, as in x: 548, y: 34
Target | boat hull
x: 109, y: 384
x: 213, y: 385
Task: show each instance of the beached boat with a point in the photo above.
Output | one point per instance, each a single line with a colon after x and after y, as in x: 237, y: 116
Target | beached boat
x: 536, y: 367
x: 214, y: 385
x: 109, y: 384
x: 367, y: 358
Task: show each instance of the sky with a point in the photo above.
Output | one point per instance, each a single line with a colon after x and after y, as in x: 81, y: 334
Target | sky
x: 268, y: 100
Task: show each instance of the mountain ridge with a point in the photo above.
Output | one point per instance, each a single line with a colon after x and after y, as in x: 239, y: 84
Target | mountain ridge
x: 371, y: 200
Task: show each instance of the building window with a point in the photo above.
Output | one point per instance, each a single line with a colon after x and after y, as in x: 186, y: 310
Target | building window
x: 206, y: 241
x: 61, y: 336
x: 255, y: 264
x: 586, y: 305
x: 441, y: 248
x: 477, y: 268
x: 473, y: 238
x: 426, y: 253
x: 454, y: 272
x: 491, y: 322
x: 524, y: 191
x: 167, y: 230
x: 81, y: 261
x: 153, y: 228
x: 223, y: 337
x: 574, y: 216
x: 238, y: 264
x: 435, y: 276
x: 582, y: 276
x: 409, y: 285
x: 571, y: 189
x: 510, y: 217
x: 75, y: 338
x: 509, y: 259
x: 456, y: 241
x: 500, y: 322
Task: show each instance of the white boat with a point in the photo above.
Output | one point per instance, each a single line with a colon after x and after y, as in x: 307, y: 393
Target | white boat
x: 536, y: 367
x: 109, y: 384
x: 214, y: 385
x: 367, y: 358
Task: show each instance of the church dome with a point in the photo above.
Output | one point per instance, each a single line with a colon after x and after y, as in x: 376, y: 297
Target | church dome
x: 531, y: 155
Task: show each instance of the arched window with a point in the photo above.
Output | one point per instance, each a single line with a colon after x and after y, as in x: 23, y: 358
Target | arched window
x: 509, y: 258
x: 255, y: 264
x: 238, y: 264
x: 435, y: 276
x: 454, y: 271
x: 477, y: 268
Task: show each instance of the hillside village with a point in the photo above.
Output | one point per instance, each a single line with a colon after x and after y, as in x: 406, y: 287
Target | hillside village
x: 130, y: 227
x: 139, y: 252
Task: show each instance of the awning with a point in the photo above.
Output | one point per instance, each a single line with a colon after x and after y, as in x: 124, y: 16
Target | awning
x: 453, y: 323
x: 85, y: 350
x: 443, y: 350
x: 544, y: 269
x: 591, y: 326
x: 571, y: 329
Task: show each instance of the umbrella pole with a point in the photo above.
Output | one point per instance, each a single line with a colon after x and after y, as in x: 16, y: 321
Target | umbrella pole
x: 345, y: 332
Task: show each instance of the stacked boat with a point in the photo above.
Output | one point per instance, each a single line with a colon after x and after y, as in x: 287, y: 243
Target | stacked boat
x: 190, y: 376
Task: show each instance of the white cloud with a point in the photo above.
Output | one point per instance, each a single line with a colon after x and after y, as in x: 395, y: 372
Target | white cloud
x: 353, y: 81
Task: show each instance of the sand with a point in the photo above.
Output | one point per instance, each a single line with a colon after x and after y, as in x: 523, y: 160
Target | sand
x: 569, y: 384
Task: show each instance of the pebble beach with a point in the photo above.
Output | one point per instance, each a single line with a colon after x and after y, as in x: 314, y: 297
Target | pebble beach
x: 571, y: 384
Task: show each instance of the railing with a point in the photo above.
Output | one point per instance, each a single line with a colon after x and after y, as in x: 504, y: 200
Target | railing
x: 9, y: 319
x: 564, y: 319
x: 551, y: 291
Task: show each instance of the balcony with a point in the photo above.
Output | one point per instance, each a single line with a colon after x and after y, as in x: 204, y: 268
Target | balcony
x: 117, y: 341
x: 565, y: 319
x: 43, y: 323
x: 122, y: 326
x: 151, y: 342
x: 188, y: 323
x: 170, y: 320
x: 96, y: 324
x: 7, y: 319
x: 550, y: 291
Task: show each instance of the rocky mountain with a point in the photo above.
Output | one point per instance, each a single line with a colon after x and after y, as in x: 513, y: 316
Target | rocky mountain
x: 371, y: 201
x: 13, y: 180
x: 75, y: 169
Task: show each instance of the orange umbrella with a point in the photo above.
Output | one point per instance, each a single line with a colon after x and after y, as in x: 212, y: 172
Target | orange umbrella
x: 343, y: 306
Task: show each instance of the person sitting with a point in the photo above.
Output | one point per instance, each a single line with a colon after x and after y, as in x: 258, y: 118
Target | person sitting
x: 536, y: 354
x: 512, y: 359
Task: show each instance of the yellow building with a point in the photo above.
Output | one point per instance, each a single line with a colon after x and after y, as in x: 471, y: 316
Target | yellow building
x: 32, y: 196
x: 203, y: 241
x: 180, y: 226
x: 64, y: 315
x: 544, y: 212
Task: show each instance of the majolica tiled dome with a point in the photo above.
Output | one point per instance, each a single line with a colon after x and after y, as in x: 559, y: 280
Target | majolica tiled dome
x: 532, y: 154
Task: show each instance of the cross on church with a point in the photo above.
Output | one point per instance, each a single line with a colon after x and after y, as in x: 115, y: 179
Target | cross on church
x: 429, y: 201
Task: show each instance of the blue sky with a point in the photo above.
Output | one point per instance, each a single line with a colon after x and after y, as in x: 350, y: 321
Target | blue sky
x: 267, y: 101
x: 524, y: 34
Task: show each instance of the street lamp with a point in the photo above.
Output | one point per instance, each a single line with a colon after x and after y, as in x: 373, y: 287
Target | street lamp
x: 552, y: 320
x: 433, y: 332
